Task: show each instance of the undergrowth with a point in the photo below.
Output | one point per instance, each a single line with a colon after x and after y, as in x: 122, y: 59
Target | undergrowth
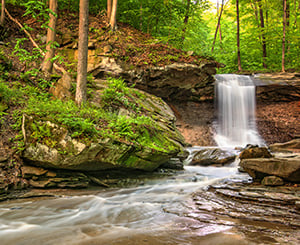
x: 87, y: 123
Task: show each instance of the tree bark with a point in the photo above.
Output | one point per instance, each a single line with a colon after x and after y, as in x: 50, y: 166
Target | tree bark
x: 109, y: 6
x: 2, y: 19
x: 219, y: 24
x: 254, y: 6
x: 51, y: 33
x: 283, y: 36
x: 113, y: 17
x: 186, y: 19
x: 238, y: 35
x: 263, y: 37
x: 80, y: 96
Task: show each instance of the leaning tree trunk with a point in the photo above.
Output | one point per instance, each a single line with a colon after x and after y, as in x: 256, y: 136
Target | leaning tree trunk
x: 2, y: 19
x: 113, y: 17
x: 283, y: 36
x: 51, y: 32
x: 186, y: 19
x: 238, y: 35
x: 218, y: 25
x: 80, y: 96
x: 263, y: 37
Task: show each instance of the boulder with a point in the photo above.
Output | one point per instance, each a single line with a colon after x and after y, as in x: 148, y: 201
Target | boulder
x: 285, y: 168
x: 272, y: 181
x: 64, y: 152
x: 212, y: 156
x: 255, y: 152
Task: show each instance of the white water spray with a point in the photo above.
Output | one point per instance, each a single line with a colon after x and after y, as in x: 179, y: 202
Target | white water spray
x: 236, y: 126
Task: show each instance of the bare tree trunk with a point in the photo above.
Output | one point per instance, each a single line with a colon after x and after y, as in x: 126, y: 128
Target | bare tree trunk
x: 113, y: 17
x: 220, y: 31
x: 2, y: 19
x: 238, y: 35
x: 219, y: 23
x: 254, y: 6
x: 186, y: 19
x: 141, y: 16
x: 80, y: 96
x: 51, y: 32
x: 283, y: 37
x: 109, y: 6
x: 263, y: 37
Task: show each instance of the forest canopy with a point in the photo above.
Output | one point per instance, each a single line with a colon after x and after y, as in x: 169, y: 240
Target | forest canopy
x: 268, y: 29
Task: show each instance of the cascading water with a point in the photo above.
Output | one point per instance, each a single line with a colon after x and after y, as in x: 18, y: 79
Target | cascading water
x: 235, y: 100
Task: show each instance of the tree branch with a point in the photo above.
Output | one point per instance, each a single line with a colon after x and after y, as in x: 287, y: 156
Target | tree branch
x: 61, y: 69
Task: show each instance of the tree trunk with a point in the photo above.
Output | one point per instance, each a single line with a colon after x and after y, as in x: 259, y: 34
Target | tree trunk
x: 2, y: 19
x: 141, y: 16
x: 283, y: 36
x: 254, y: 6
x: 220, y: 31
x: 113, y: 17
x: 219, y: 24
x: 263, y: 37
x: 51, y: 32
x: 109, y: 6
x: 186, y: 19
x: 238, y: 35
x: 82, y: 52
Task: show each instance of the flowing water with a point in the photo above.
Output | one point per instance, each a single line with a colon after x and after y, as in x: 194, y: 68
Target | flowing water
x: 236, y: 126
x: 152, y: 213
x: 161, y: 211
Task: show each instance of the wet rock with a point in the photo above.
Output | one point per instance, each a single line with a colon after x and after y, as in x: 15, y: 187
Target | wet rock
x: 286, y: 168
x: 212, y: 156
x: 173, y: 163
x: 272, y: 181
x: 252, y: 202
x: 255, y: 152
x: 290, y: 146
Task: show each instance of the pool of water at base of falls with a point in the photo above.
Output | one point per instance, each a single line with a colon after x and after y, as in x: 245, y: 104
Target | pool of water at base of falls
x: 146, y: 214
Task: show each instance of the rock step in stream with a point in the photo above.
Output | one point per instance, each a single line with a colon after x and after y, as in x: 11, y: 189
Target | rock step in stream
x: 275, y: 212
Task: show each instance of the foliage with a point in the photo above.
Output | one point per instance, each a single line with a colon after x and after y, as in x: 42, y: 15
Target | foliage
x: 118, y: 94
x: 164, y: 19
x: 86, y: 123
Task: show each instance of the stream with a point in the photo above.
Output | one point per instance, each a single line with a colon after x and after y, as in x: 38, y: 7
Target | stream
x: 198, y: 205
x: 151, y: 213
x: 159, y: 211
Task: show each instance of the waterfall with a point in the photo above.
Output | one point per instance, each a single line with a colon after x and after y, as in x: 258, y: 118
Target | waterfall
x: 235, y: 102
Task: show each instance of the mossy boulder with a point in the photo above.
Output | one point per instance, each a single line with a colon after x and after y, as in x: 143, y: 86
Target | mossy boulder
x: 51, y: 145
